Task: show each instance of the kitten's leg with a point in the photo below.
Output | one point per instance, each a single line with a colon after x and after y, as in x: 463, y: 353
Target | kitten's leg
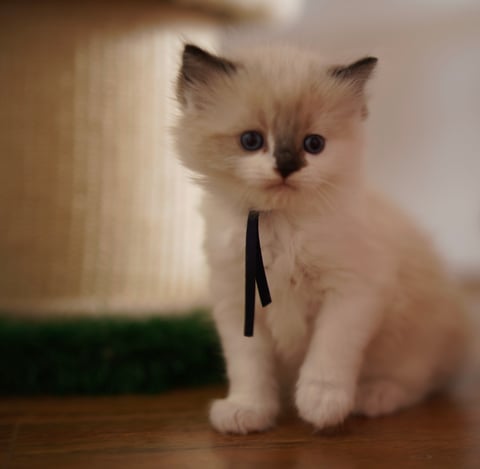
x: 326, y: 385
x: 252, y: 403
x: 420, y: 359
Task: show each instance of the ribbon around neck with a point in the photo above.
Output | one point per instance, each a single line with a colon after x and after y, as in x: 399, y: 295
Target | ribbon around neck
x: 254, y: 273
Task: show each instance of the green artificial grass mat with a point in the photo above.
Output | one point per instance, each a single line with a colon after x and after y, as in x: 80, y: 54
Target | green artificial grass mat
x: 107, y: 356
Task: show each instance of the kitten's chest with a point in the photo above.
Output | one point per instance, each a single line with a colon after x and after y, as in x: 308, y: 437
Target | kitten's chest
x: 285, y: 254
x: 292, y: 284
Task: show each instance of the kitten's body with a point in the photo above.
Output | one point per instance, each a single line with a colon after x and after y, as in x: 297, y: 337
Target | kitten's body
x: 363, y: 316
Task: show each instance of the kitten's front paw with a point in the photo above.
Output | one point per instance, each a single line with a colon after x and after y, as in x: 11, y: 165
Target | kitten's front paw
x: 229, y: 416
x: 323, y: 404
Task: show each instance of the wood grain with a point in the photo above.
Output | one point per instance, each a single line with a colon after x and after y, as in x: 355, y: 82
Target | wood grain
x: 7, y: 432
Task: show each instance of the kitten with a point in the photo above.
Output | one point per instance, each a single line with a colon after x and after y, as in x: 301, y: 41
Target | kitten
x: 363, y: 316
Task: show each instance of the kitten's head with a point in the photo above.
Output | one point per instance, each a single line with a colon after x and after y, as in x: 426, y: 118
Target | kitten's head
x: 271, y: 128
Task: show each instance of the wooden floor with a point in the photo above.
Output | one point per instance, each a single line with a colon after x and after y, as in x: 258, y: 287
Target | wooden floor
x: 172, y: 431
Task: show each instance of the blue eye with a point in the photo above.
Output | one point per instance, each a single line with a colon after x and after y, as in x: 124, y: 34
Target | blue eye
x: 251, y: 140
x: 314, y: 144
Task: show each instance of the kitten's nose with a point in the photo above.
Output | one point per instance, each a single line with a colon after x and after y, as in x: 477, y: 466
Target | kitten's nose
x: 285, y: 171
x: 288, y: 162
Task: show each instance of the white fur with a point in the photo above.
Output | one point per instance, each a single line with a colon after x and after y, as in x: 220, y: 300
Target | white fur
x: 335, y: 289
x: 363, y: 317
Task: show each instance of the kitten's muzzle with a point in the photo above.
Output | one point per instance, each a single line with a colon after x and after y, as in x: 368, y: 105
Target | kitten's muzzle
x: 288, y: 162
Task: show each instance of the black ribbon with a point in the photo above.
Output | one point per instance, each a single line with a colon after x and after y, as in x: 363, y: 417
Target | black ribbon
x: 254, y: 273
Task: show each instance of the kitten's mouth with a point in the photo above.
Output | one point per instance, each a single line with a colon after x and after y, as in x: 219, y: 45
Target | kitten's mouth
x: 280, y: 185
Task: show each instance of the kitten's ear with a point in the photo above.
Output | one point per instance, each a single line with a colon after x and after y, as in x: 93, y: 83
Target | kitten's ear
x: 357, y: 73
x: 197, y: 70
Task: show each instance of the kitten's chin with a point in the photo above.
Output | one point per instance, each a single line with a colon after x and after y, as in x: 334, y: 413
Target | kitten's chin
x: 277, y: 195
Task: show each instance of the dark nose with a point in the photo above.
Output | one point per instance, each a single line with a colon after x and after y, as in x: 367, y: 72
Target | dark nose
x: 287, y: 162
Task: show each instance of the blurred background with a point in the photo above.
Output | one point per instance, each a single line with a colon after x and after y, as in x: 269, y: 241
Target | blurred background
x: 97, y: 216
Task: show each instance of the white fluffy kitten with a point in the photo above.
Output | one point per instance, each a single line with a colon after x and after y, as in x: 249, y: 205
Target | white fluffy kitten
x: 364, y: 319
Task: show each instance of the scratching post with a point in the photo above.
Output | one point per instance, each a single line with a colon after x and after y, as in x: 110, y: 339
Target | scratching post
x: 96, y: 215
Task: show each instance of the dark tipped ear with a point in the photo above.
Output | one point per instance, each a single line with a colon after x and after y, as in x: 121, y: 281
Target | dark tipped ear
x: 198, y: 68
x: 358, y: 72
